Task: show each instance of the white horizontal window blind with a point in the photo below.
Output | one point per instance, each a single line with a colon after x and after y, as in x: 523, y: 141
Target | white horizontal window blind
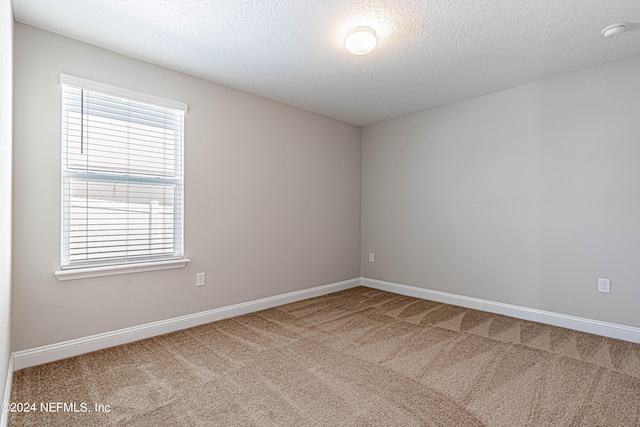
x: 122, y: 176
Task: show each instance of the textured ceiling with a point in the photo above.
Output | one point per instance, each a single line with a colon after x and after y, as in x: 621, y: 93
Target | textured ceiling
x: 430, y: 52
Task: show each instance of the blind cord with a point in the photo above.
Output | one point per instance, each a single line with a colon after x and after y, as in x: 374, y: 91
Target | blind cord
x: 81, y: 121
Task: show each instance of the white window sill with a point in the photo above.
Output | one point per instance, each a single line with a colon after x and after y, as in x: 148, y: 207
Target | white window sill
x: 110, y: 270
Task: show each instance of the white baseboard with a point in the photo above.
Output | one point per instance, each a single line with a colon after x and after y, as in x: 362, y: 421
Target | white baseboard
x: 4, y: 415
x: 50, y: 353
x: 612, y: 330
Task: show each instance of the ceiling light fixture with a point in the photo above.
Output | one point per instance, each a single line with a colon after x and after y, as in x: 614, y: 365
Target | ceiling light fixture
x: 361, y: 40
x: 614, y: 30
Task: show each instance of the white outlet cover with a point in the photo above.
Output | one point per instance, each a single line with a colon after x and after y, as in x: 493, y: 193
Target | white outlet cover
x: 200, y: 279
x: 604, y: 285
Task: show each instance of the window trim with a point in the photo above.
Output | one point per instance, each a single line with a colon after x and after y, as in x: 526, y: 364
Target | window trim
x: 111, y: 270
x: 123, y: 92
x: 81, y: 272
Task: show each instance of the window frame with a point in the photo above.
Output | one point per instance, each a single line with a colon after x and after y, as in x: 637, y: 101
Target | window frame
x: 102, y: 268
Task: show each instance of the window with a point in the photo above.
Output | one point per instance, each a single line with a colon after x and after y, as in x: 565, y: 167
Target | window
x: 122, y: 176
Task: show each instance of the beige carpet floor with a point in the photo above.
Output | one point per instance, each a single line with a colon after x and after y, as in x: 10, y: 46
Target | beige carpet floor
x: 360, y: 357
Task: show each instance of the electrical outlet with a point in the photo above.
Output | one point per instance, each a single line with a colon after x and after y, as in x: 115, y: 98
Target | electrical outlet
x: 200, y: 279
x: 371, y: 257
x: 604, y: 285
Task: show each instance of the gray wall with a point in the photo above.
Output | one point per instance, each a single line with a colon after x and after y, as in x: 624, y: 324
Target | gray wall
x: 525, y: 196
x: 6, y: 71
x: 272, y: 198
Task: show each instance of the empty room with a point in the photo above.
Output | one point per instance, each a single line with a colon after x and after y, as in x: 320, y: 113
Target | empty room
x: 278, y: 213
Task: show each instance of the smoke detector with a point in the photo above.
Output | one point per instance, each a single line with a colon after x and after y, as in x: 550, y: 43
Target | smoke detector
x: 614, y: 30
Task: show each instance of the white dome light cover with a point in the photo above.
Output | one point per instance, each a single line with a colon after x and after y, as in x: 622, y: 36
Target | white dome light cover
x: 361, y: 40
